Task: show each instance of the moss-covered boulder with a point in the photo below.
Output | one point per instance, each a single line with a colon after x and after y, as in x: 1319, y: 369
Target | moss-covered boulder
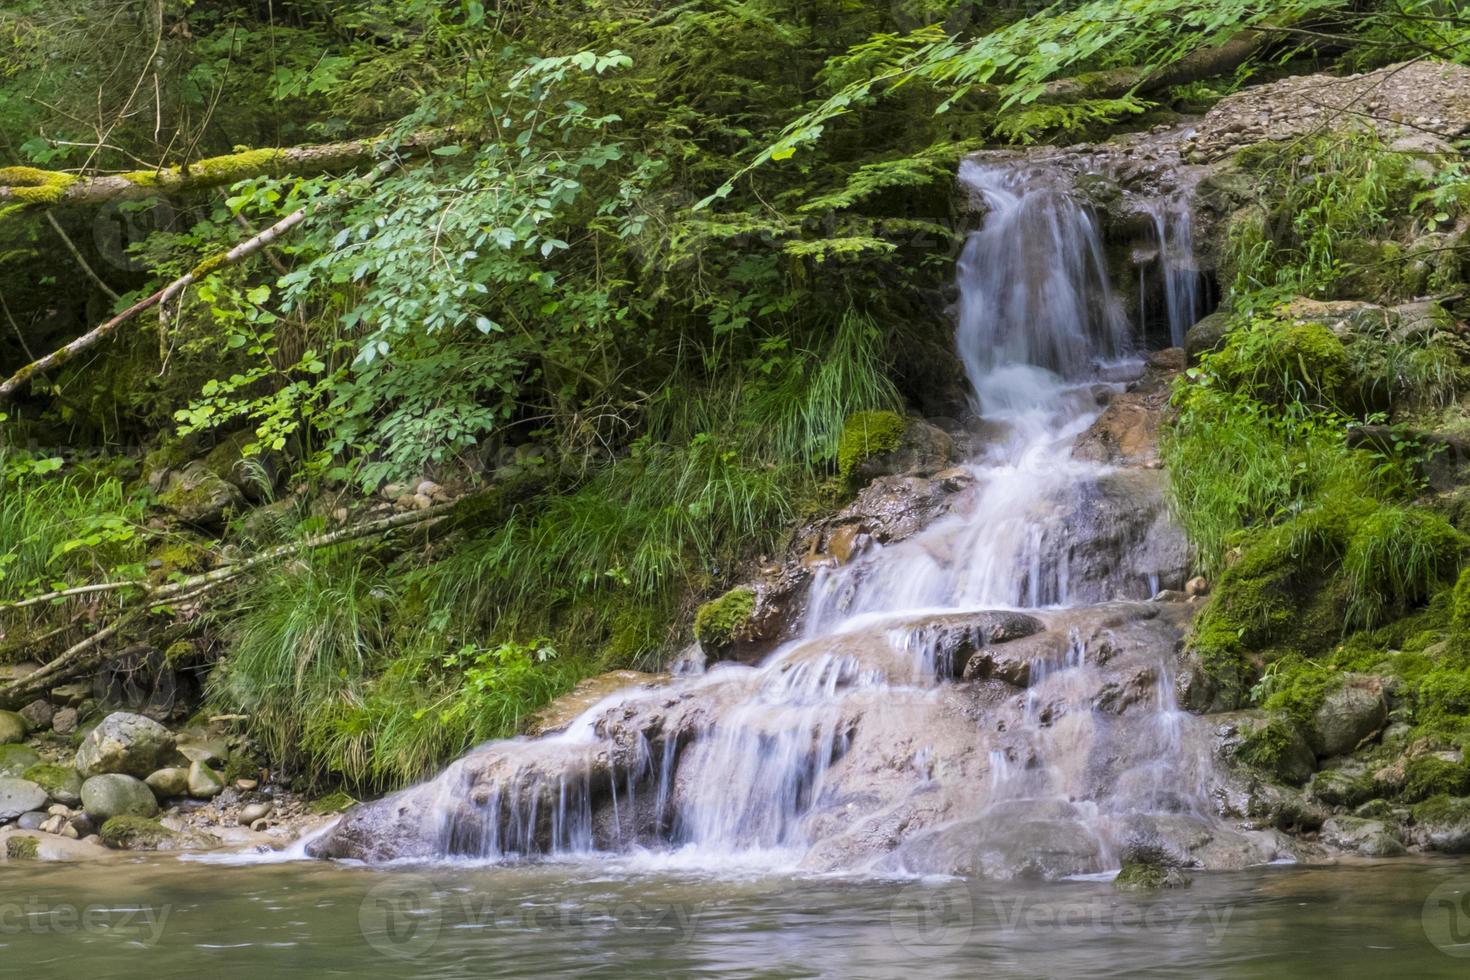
x: 875, y: 444
x: 1206, y: 336
x: 62, y: 783
x: 1442, y: 823
x: 1277, y: 748
x: 13, y: 727
x: 1349, y: 716
x: 719, y: 622
x: 130, y: 833
x: 198, y: 496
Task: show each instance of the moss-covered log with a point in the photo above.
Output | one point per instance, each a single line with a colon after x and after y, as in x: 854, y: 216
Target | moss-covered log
x: 30, y: 186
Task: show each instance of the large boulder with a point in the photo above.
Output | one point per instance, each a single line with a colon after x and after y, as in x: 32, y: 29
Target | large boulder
x: 1349, y: 716
x: 878, y: 444
x: 196, y: 495
x: 115, y: 795
x: 127, y: 743
x: 13, y: 727
x: 19, y: 796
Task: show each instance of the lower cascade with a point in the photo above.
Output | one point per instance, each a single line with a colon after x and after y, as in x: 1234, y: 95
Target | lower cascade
x: 991, y: 696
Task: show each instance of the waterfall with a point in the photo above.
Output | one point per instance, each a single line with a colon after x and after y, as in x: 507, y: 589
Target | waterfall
x: 1183, y: 285
x: 853, y: 745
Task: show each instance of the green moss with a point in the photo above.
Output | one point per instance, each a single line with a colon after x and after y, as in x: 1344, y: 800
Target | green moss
x: 134, y: 833
x: 1281, y: 361
x: 1297, y: 687
x: 30, y: 185
x: 1426, y: 776
x: 1442, y: 809
x: 1272, y: 747
x: 57, y: 781
x: 22, y: 849
x: 241, y: 765
x: 1138, y: 876
x: 179, y: 554
x: 331, y: 803
x: 867, y: 434
x: 717, y: 622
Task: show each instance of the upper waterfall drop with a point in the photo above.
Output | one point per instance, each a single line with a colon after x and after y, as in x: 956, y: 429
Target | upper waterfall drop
x: 1033, y: 281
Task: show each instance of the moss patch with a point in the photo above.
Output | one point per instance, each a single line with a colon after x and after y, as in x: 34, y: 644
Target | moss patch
x: 60, y: 782
x: 868, y: 434
x: 22, y: 849
x: 129, y: 833
x: 331, y: 803
x: 717, y: 622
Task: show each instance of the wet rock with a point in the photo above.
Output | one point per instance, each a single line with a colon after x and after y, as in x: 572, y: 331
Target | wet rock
x: 133, y: 833
x: 125, y: 743
x: 19, y: 796
x: 1127, y: 431
x: 169, y: 783
x: 922, y: 449
x: 115, y: 794
x: 1349, y: 716
x: 1370, y: 838
x: 1443, y: 824
x: 1197, y: 586
x: 13, y: 727
x: 560, y: 713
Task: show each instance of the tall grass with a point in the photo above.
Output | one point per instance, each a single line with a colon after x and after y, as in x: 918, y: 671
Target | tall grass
x: 381, y: 675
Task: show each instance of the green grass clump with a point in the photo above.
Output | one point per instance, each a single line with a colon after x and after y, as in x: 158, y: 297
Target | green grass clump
x: 1427, y: 776
x: 717, y: 622
x: 868, y: 434
x: 1280, y: 362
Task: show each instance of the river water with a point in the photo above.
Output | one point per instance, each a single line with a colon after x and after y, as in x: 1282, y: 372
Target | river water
x: 161, y: 917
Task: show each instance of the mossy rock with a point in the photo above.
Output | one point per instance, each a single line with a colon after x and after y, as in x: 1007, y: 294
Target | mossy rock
x: 199, y: 497
x: 1141, y: 876
x: 865, y: 435
x: 1206, y: 336
x: 13, y: 727
x: 331, y: 803
x: 1278, y: 749
x: 62, y: 783
x: 1427, y: 776
x: 22, y: 849
x: 132, y: 833
x: 718, y: 623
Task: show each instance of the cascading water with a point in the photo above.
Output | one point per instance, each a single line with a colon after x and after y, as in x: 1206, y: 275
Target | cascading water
x: 855, y: 745
x: 1183, y: 286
